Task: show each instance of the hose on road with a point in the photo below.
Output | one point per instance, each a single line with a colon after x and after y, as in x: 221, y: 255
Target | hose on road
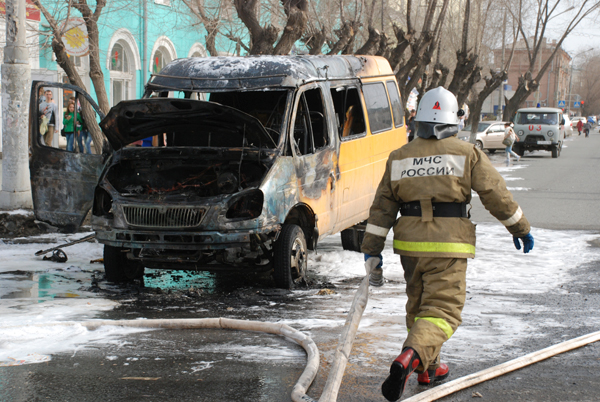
x: 504, y: 368
x: 299, y: 390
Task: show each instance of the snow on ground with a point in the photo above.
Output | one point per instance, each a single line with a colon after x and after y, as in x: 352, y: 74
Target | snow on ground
x: 36, y: 293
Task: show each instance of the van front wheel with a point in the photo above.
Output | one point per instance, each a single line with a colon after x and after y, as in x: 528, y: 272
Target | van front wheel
x: 291, y: 257
x: 117, y: 268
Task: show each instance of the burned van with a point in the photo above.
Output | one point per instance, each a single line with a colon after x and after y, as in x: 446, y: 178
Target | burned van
x: 252, y: 161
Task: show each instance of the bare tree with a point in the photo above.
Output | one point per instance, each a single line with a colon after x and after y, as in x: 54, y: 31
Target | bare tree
x: 587, y: 83
x: 422, y: 47
x: 545, y: 11
x: 265, y: 39
x: 212, y: 23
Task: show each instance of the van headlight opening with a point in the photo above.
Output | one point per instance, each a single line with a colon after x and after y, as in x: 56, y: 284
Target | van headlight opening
x: 520, y: 132
x: 550, y: 133
x: 247, y: 205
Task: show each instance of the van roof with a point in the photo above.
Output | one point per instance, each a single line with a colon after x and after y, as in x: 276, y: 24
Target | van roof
x: 540, y: 110
x: 256, y: 72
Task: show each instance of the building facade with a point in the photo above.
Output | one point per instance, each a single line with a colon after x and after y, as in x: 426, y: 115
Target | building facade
x: 554, y: 84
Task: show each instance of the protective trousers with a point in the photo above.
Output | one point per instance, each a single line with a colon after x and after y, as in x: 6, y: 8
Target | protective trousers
x: 436, y: 290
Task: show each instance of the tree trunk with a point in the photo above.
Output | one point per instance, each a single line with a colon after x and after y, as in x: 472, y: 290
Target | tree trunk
x: 297, y: 13
x: 491, y: 84
x: 526, y: 87
x: 371, y: 46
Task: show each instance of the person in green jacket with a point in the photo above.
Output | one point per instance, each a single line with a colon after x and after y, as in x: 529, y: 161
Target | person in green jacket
x: 70, y: 126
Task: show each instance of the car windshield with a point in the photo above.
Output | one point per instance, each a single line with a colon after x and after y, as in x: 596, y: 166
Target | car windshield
x: 481, y: 127
x: 537, y: 118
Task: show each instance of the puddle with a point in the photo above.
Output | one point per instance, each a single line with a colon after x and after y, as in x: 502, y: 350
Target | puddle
x: 37, y: 287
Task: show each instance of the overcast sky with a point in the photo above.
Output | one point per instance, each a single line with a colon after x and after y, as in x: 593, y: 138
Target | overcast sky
x: 585, y: 37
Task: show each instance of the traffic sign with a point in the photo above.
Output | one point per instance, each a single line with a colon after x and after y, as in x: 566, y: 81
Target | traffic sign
x: 561, y: 103
x: 576, y: 104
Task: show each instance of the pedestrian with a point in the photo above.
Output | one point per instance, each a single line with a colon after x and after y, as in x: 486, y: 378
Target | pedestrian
x: 509, y: 139
x: 579, y: 126
x: 586, y: 128
x: 411, y: 125
x: 429, y: 181
x: 71, y: 121
x: 48, y: 110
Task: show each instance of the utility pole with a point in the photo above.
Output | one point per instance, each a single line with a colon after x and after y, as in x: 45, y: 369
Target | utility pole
x: 16, y: 84
x: 569, y: 97
x: 501, y: 92
x: 537, y: 95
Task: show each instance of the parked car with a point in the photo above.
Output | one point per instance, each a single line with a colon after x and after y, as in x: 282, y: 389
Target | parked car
x: 258, y: 159
x: 489, y: 135
x: 539, y: 128
x: 568, y: 126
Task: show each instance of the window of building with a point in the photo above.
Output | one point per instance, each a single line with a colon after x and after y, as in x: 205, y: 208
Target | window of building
x: 159, y: 60
x: 378, y: 107
x: 122, y: 73
x: 118, y: 59
x: 75, y: 59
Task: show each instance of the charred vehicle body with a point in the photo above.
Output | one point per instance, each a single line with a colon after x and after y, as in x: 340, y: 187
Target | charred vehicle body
x: 255, y: 160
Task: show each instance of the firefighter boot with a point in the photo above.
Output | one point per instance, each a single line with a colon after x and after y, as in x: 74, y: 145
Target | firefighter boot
x: 401, y: 369
x: 433, y: 375
x: 376, y: 277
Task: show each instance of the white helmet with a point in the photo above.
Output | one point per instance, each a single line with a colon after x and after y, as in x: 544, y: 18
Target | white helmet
x: 438, y: 106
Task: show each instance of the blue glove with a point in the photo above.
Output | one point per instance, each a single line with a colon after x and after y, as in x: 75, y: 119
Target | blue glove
x: 527, y: 243
x: 367, y: 256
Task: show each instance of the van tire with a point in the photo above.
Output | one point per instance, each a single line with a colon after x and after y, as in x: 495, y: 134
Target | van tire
x: 555, y: 151
x: 352, y: 239
x: 519, y: 150
x: 291, y: 257
x: 117, y: 268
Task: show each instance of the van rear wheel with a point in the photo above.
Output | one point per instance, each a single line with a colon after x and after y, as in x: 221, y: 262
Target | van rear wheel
x: 352, y: 239
x: 519, y: 150
x: 291, y: 257
x: 117, y: 268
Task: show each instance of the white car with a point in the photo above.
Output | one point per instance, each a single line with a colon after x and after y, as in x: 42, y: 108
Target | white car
x: 569, y: 126
x: 489, y: 135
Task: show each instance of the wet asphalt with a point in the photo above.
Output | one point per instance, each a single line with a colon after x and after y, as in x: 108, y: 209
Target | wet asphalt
x: 174, y: 365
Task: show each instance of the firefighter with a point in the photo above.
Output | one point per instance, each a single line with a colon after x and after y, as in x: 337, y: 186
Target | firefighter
x: 429, y: 181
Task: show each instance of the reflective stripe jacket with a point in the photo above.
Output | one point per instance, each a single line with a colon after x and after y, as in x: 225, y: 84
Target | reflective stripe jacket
x: 429, y: 171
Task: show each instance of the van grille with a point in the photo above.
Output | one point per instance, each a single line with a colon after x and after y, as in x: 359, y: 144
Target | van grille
x: 163, y: 217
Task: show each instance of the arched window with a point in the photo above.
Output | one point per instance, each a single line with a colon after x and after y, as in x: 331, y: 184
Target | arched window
x: 122, y: 73
x: 160, y: 59
x: 162, y: 54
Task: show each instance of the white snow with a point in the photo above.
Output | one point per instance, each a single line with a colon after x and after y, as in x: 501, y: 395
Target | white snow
x: 43, y: 293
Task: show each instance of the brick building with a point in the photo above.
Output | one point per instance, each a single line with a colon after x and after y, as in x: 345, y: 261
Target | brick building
x: 554, y: 85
